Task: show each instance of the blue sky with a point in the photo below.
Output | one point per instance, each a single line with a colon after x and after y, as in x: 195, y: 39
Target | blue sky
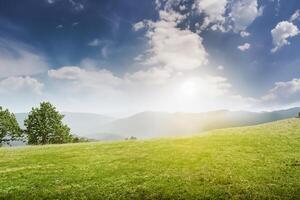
x: 121, y: 57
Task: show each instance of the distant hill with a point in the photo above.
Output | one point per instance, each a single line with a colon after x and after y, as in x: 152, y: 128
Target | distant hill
x: 85, y: 124
x: 82, y: 124
x: 157, y: 124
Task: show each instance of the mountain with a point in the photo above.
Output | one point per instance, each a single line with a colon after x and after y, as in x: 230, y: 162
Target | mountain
x: 85, y: 124
x: 160, y: 124
x: 82, y: 124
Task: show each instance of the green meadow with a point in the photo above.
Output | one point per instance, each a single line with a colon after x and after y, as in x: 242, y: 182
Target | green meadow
x: 257, y: 162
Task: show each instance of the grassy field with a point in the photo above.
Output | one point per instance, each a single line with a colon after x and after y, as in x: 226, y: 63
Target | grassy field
x: 259, y: 162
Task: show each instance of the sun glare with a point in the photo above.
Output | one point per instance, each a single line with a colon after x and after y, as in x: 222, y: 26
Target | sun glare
x: 188, y: 88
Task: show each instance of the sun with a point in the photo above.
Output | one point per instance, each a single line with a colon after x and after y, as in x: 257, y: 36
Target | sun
x: 188, y: 88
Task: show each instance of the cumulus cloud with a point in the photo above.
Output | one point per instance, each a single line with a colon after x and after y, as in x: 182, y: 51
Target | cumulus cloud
x: 225, y: 15
x: 17, y: 59
x: 141, y: 90
x: 172, y: 67
x: 243, y: 13
x: 219, y: 15
x: 244, y: 47
x: 172, y: 47
x: 20, y: 84
x: 153, y: 75
x: 213, y: 9
x: 284, y: 92
x: 281, y: 33
x: 85, y: 78
x: 176, y: 59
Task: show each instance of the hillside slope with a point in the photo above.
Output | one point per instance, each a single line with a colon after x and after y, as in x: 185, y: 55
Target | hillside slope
x: 157, y: 124
x: 259, y: 162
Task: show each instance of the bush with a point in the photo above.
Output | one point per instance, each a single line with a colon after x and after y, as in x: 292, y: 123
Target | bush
x: 131, y: 138
x: 76, y: 139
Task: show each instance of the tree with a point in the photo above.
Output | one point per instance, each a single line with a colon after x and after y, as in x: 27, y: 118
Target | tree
x: 9, y: 127
x: 44, y: 126
x: 77, y: 139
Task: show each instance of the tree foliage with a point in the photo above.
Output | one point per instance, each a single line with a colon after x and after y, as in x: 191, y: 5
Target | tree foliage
x: 9, y: 127
x: 44, y: 126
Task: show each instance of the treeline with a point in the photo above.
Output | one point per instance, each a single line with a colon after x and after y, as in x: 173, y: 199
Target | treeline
x: 42, y: 126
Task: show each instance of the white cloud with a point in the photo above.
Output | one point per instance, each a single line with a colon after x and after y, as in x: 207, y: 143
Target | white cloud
x: 244, y: 47
x: 225, y: 15
x: 295, y: 16
x: 85, y: 78
x: 284, y: 92
x: 20, y: 84
x: 221, y: 28
x: 213, y: 9
x: 173, y: 67
x: 244, y: 34
x: 151, y: 76
x: 17, y: 59
x: 243, y: 13
x: 149, y: 89
x: 219, y: 15
x: 281, y: 33
x: 172, y: 47
x: 171, y: 16
x: 138, y: 26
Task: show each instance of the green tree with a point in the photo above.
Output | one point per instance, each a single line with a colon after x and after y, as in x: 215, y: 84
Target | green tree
x: 44, y: 126
x: 9, y: 127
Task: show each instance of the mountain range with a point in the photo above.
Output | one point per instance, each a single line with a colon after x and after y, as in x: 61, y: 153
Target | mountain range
x: 161, y: 124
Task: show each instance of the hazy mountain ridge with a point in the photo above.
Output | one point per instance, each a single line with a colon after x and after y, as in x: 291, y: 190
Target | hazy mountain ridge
x: 156, y: 124
x: 81, y: 124
x: 159, y: 124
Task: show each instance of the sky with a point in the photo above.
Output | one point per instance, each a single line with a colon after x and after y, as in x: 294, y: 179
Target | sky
x: 122, y: 57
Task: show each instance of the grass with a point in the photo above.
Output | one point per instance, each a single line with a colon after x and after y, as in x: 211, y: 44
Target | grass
x: 259, y: 162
